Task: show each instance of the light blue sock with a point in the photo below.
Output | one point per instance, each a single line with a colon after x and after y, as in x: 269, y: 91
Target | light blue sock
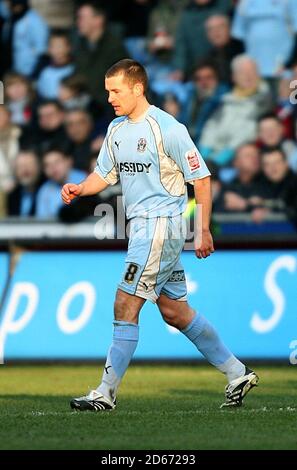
x: 207, y: 341
x: 125, y: 339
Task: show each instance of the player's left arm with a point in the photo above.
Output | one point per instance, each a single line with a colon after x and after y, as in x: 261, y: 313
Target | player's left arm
x: 203, y: 238
x: 180, y: 147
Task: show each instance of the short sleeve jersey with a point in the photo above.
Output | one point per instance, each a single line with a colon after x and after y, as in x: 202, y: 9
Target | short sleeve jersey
x: 153, y: 159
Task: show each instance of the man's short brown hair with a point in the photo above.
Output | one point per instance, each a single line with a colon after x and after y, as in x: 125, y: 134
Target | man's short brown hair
x: 132, y: 70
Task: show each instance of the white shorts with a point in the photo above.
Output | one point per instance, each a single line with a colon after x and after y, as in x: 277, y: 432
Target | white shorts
x: 152, y: 265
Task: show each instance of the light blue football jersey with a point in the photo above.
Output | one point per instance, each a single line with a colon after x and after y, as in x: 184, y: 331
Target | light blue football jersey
x: 153, y: 159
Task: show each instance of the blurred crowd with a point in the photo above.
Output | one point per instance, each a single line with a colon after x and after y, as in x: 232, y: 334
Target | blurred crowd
x: 227, y: 69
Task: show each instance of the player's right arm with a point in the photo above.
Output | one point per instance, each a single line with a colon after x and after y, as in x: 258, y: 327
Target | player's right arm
x: 105, y: 173
x: 93, y: 184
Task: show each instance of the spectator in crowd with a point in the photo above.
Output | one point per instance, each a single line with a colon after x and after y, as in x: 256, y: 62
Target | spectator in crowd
x: 5, y: 56
x: 73, y: 94
x: 235, y: 120
x: 2, y: 204
x: 97, y: 49
x: 58, y: 169
x: 223, y: 47
x: 239, y: 194
x: 112, y: 195
x: 25, y: 35
x: 216, y: 187
x: 267, y: 28
x: 79, y: 128
x: 161, y: 36
x: 50, y: 129
x: 285, y: 104
x: 9, y: 147
x: 172, y: 106
x: 271, y: 136
x: 191, y: 42
x: 204, y: 98
x: 54, y: 66
x: 97, y: 143
x: 293, y: 96
x: 19, y: 98
x: 135, y: 16
x: 293, y: 70
x: 92, y: 162
x: 293, y: 155
x: 278, y: 183
x: 291, y: 201
x: 21, y: 200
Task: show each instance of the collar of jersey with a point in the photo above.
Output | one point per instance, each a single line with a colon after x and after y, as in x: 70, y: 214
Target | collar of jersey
x: 142, y: 117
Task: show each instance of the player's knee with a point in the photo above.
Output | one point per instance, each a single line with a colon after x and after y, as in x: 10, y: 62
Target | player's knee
x: 172, y: 320
x: 178, y: 318
x: 123, y: 310
x: 169, y: 316
x: 120, y: 307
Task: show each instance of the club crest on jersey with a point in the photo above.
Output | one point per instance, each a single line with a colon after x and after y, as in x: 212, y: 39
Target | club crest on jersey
x: 193, y: 161
x: 141, y: 145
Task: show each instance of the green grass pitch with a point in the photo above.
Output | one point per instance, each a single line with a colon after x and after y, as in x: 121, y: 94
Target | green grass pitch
x: 159, y: 407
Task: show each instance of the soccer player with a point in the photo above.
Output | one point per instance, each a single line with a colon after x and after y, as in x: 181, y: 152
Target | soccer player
x: 153, y: 156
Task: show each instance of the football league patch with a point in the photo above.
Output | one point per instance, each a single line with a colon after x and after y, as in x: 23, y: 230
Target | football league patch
x: 193, y: 161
